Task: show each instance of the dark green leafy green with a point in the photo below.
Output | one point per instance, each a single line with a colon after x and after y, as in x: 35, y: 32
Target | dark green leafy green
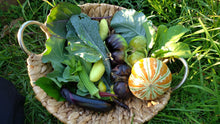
x: 74, y: 54
x: 59, y: 16
x: 129, y: 23
x: 68, y: 74
x: 84, y: 51
x: 72, y: 67
x: 88, y: 31
x: 54, y: 54
x: 79, y: 48
x: 50, y: 88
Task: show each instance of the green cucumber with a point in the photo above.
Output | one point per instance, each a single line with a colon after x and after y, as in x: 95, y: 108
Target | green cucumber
x: 97, y: 71
x: 103, y: 29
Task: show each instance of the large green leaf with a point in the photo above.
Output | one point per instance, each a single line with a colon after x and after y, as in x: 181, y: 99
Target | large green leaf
x: 129, y: 23
x: 178, y: 50
x: 84, y: 51
x: 166, y: 42
x: 166, y: 36
x: 160, y: 36
x: 50, y: 88
x: 59, y: 16
x: 174, y: 33
x: 54, y: 54
x: 88, y: 31
x: 77, y: 47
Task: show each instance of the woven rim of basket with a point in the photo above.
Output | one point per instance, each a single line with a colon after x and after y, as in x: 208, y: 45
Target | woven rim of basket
x: 140, y: 111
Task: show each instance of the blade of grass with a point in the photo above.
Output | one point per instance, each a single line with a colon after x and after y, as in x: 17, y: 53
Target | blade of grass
x: 193, y: 119
x: 175, y: 119
x: 22, y: 9
x: 202, y: 31
x: 211, y: 66
x: 216, y: 88
x: 52, y: 5
x: 206, y: 89
x: 201, y: 73
x: 189, y: 110
x: 209, y: 37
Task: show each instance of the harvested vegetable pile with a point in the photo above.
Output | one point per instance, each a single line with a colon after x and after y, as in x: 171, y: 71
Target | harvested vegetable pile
x: 92, y: 67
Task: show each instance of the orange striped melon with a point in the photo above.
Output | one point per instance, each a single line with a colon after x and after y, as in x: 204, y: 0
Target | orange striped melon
x: 149, y: 79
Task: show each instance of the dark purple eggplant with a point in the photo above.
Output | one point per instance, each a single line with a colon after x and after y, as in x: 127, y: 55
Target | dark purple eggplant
x: 118, y: 56
x: 122, y: 90
x: 122, y: 70
x: 116, y: 42
x: 120, y: 73
x: 88, y: 103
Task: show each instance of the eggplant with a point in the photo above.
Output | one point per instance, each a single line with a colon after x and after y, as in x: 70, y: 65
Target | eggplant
x: 116, y: 42
x: 120, y: 72
x: 88, y: 103
x: 118, y: 56
x: 122, y: 90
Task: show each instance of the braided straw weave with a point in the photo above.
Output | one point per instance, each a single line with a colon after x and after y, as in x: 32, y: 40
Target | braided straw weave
x: 140, y: 111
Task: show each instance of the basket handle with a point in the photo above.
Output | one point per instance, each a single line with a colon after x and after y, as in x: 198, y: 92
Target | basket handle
x: 21, y: 31
x: 185, y: 64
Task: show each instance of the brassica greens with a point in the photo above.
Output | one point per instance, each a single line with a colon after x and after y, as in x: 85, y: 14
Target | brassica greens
x: 74, y: 45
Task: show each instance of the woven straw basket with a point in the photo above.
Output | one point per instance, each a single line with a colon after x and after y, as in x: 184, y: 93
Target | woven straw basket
x: 140, y: 111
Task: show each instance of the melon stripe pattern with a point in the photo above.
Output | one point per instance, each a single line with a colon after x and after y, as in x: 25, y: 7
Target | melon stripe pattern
x: 149, y: 79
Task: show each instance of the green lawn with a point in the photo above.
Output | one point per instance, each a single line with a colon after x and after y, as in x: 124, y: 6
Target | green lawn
x: 197, y: 101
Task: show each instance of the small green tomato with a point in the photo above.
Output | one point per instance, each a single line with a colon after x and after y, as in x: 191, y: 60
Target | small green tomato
x: 135, y: 56
x: 138, y: 43
x: 102, y: 86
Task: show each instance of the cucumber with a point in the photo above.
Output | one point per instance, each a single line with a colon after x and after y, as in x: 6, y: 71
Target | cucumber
x: 97, y: 71
x: 103, y: 29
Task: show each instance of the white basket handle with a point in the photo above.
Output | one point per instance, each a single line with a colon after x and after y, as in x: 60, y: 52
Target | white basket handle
x: 21, y: 31
x: 185, y: 64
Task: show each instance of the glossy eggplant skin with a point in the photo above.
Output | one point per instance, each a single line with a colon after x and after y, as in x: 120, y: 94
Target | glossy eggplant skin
x: 120, y: 72
x: 116, y: 42
x: 116, y: 45
x: 118, y: 56
x: 88, y: 103
x: 121, y: 89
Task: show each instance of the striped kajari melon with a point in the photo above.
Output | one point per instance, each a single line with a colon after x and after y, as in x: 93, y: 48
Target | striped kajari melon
x: 149, y: 79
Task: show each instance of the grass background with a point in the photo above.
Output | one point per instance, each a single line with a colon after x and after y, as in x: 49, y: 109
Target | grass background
x: 197, y: 101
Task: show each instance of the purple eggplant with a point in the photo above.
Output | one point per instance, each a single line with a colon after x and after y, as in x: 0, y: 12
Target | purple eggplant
x: 116, y: 42
x: 88, y: 103
x: 122, y: 90
x: 120, y: 72
x: 118, y: 56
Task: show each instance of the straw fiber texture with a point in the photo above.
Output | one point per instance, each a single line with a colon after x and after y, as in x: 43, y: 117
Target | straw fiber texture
x: 140, y: 111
